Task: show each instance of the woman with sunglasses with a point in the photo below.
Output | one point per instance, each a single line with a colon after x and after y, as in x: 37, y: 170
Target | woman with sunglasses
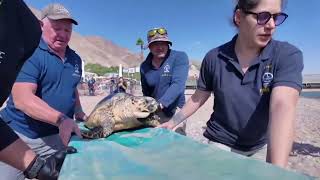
x: 256, y: 82
x: 164, y: 74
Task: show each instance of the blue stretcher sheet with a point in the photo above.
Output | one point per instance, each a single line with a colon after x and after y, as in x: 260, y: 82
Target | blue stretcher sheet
x: 159, y: 154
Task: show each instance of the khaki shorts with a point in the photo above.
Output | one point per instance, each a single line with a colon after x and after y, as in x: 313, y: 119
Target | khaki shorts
x: 180, y: 128
x: 44, y: 147
x: 258, y: 154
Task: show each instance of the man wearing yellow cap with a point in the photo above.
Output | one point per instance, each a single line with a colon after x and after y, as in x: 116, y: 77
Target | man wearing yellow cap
x: 164, y: 74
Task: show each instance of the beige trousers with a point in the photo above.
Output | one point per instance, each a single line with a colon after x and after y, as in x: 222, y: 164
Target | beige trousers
x: 258, y: 154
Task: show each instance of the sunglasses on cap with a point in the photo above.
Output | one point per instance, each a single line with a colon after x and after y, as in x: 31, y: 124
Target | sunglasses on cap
x: 161, y: 31
x: 264, y: 17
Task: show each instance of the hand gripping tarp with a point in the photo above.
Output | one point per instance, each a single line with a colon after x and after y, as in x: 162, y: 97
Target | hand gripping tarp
x: 159, y: 154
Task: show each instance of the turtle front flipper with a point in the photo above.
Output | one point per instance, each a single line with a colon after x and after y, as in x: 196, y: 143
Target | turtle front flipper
x: 102, y: 131
x: 152, y: 120
x: 93, y: 133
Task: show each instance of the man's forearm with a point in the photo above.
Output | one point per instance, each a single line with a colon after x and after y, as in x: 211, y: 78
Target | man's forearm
x: 78, y: 107
x: 39, y: 110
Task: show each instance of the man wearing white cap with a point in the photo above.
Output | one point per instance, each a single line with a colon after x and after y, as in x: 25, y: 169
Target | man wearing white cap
x: 44, y: 98
x: 164, y: 74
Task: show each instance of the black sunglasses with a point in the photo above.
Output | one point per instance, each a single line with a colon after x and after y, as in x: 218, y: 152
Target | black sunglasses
x: 264, y: 17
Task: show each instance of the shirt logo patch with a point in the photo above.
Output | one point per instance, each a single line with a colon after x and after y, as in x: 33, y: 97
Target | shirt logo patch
x: 267, y: 78
x: 76, y: 71
x: 166, y: 68
x: 2, y: 56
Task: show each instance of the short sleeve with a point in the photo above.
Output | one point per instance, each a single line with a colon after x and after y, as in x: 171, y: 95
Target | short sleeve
x: 31, y: 70
x: 289, y: 68
x: 205, y: 80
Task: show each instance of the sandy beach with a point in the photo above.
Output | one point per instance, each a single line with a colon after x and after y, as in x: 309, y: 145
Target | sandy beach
x: 305, y: 157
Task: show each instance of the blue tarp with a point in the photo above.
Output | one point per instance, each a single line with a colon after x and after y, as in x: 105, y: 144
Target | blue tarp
x: 159, y: 154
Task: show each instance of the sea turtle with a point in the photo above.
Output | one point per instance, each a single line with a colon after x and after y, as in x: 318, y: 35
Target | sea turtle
x: 118, y: 112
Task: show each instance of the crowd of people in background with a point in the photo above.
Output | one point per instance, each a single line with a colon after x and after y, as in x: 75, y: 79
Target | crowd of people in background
x: 97, y: 86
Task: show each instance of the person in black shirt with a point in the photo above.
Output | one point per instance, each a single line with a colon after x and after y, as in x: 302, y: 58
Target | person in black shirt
x: 122, y: 85
x: 91, y: 83
x: 256, y: 82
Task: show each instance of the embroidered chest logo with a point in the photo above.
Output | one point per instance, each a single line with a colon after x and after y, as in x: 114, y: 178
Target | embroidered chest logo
x: 267, y: 78
x: 166, y: 70
x: 2, y: 56
x: 76, y: 71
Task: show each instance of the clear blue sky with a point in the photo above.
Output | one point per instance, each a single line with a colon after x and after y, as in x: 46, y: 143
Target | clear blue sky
x: 194, y: 26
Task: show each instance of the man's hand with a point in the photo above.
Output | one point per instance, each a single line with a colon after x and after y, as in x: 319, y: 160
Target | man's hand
x: 167, y: 125
x: 66, y: 128
x: 48, y: 169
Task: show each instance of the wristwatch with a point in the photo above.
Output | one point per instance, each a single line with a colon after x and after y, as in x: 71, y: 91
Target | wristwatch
x: 61, y: 118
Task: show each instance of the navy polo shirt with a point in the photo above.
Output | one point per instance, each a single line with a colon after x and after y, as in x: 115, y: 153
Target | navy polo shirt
x: 241, y: 100
x: 166, y: 84
x: 56, y: 84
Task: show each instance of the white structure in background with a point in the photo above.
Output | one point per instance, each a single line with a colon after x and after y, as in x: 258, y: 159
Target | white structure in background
x: 82, y: 67
x: 131, y: 70
x: 120, y: 70
x: 137, y: 69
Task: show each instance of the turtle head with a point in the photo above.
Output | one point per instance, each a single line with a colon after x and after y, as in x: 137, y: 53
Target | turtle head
x: 143, y: 106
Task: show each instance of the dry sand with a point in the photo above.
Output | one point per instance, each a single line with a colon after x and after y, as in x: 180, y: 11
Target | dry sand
x: 305, y: 157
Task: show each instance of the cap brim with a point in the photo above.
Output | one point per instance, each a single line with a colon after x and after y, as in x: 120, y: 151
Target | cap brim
x: 160, y: 40
x: 63, y: 17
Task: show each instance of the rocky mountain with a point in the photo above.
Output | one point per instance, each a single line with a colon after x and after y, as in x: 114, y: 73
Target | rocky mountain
x: 93, y: 49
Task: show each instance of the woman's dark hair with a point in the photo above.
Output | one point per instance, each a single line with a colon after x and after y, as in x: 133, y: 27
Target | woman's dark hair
x: 247, y: 5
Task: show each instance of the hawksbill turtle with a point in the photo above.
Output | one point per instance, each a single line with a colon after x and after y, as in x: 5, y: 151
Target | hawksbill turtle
x: 119, y: 112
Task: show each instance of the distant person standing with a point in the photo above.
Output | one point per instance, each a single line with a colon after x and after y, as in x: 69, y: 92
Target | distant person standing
x: 91, y: 83
x: 131, y: 86
x: 256, y: 82
x: 164, y: 74
x: 122, y: 85
x: 112, y: 84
